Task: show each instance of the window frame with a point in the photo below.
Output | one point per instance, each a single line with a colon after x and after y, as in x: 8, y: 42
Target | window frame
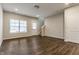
x: 19, y: 26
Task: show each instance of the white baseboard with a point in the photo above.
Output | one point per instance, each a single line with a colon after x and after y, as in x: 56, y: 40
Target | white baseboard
x: 71, y: 41
x: 17, y: 37
x: 55, y: 37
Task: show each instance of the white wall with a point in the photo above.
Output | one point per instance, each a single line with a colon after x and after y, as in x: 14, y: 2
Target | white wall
x: 54, y: 26
x: 1, y: 25
x: 72, y: 24
x: 6, y: 32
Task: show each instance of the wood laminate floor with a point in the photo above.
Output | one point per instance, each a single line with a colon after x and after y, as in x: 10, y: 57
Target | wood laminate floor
x: 37, y: 45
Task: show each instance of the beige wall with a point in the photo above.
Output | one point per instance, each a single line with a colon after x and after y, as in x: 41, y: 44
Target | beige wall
x: 8, y: 35
x: 1, y: 25
x: 54, y: 26
x: 72, y: 24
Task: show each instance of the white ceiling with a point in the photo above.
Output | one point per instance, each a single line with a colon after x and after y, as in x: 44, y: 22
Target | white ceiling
x: 46, y: 9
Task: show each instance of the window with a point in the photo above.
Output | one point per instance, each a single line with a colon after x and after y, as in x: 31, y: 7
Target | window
x: 34, y: 26
x: 23, y: 26
x: 14, y: 25
x: 18, y: 26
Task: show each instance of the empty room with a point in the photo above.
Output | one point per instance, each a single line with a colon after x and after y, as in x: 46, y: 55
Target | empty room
x: 39, y: 29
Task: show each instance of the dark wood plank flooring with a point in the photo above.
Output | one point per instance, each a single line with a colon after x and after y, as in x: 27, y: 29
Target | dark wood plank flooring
x: 37, y: 45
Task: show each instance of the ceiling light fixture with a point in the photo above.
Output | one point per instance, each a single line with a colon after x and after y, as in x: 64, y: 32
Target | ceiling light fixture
x: 36, y: 6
